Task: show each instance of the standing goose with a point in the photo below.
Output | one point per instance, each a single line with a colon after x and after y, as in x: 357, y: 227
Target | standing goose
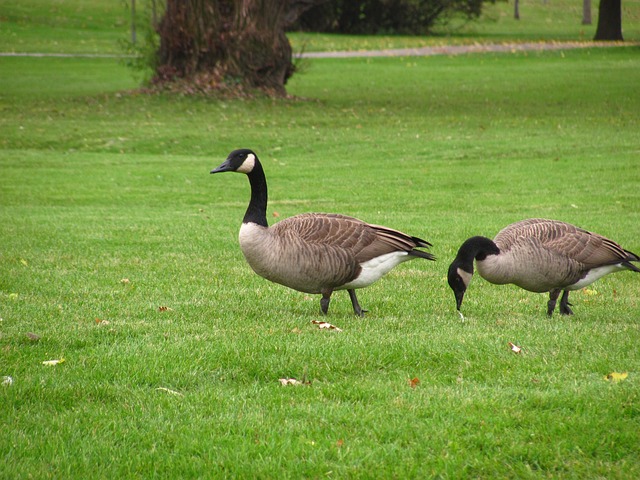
x: 314, y: 252
x: 540, y: 256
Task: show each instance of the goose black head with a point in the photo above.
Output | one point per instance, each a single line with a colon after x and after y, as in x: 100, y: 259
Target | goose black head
x: 242, y: 160
x: 461, y: 269
x: 459, y: 278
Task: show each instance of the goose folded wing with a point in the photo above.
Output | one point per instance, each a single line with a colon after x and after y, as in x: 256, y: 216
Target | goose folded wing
x: 589, y: 249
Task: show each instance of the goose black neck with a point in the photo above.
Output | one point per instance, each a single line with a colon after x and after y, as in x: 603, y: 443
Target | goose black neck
x: 477, y: 248
x: 257, y: 209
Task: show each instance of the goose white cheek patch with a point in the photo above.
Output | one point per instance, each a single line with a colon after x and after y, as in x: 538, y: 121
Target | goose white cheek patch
x: 466, y: 276
x: 248, y: 164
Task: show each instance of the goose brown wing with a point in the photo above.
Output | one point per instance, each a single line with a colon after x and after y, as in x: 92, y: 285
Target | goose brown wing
x: 589, y: 249
x: 342, y: 232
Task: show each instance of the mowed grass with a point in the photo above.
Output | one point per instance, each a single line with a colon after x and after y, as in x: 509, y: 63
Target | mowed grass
x: 108, y: 215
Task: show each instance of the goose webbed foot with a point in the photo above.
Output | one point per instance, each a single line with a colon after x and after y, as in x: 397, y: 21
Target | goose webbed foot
x: 553, y: 298
x: 564, y: 304
x: 356, y: 306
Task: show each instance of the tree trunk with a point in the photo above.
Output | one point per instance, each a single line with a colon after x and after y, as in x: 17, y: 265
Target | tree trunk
x: 516, y: 10
x: 586, y: 12
x: 609, y: 20
x: 226, y: 44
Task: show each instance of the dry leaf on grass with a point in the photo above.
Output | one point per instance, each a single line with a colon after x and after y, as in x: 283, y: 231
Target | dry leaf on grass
x: 413, y: 382
x: 32, y: 336
x: 52, y: 363
x: 325, y: 325
x: 515, y: 348
x: 165, y: 309
x: 102, y: 322
x: 292, y: 381
x: 125, y: 281
x: 616, y: 377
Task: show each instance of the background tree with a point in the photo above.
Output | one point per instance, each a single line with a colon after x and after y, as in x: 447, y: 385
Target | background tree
x: 227, y: 44
x: 385, y: 16
x: 609, y: 20
x: 586, y: 12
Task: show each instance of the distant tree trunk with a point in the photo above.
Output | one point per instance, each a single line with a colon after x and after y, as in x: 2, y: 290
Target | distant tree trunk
x: 609, y: 20
x: 586, y: 12
x: 516, y: 10
x: 227, y: 44
x: 133, y: 22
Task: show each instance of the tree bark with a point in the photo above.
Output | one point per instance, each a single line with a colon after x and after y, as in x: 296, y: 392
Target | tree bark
x: 586, y: 12
x: 227, y: 44
x: 609, y: 20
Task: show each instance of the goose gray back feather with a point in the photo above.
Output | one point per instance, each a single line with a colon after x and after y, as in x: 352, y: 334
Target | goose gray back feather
x: 587, y: 248
x: 540, y: 255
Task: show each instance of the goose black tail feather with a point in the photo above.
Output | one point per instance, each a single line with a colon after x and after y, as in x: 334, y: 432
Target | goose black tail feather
x: 421, y: 254
x: 631, y: 257
x: 631, y: 266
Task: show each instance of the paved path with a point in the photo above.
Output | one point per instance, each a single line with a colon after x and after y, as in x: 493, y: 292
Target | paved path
x: 462, y: 49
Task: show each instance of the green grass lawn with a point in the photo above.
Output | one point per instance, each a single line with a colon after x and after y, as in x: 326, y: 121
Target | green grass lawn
x: 108, y: 215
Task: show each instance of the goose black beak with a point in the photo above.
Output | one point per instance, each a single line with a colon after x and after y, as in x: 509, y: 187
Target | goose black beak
x: 224, y: 167
x: 459, y: 297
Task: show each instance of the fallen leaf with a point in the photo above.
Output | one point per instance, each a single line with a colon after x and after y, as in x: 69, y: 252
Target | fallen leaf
x: 102, y: 322
x: 515, y: 348
x: 616, y: 377
x: 124, y: 281
x: 296, y: 330
x: 276, y: 214
x: 32, y: 336
x: 51, y: 363
x: 292, y: 381
x: 413, y: 382
x: 340, y: 443
x: 325, y: 325
x: 24, y: 262
x: 172, y: 392
x: 590, y: 291
x: 165, y: 309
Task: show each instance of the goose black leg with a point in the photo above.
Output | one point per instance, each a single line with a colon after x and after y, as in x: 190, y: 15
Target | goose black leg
x: 553, y: 298
x: 354, y: 301
x: 564, y: 304
x: 324, y: 301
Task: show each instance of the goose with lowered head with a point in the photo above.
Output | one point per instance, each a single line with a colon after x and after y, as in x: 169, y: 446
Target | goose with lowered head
x: 540, y: 256
x: 315, y: 252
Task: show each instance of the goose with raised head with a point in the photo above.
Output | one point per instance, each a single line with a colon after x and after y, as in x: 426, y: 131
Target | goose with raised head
x: 314, y: 252
x: 540, y: 256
